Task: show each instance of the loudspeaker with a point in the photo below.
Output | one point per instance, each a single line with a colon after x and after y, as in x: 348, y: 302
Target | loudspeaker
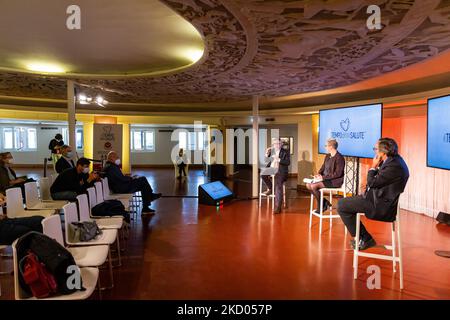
x: 443, y: 217
x: 217, y: 172
x: 214, y: 193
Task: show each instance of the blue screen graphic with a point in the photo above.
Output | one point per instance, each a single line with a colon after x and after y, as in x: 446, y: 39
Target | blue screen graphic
x: 438, y: 153
x: 356, y: 129
x: 217, y: 190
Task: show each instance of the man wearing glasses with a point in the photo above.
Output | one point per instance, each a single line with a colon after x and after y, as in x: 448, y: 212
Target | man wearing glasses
x: 279, y: 161
x: 331, y: 174
x: 386, y: 180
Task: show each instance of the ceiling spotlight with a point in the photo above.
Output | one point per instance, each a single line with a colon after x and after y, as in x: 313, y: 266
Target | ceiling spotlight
x: 99, y: 99
x: 44, y: 67
x: 89, y: 99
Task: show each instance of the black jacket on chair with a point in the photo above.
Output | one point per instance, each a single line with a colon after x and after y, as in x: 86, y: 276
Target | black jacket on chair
x: 285, y: 160
x: 63, y: 164
x: 384, y: 186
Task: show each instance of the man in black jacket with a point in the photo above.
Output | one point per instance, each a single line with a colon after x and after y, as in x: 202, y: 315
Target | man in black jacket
x: 279, y: 161
x: 386, y: 180
x: 66, y: 160
x: 74, y: 181
x: 119, y: 183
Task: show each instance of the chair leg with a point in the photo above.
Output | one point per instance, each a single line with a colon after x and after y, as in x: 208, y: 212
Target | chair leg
x: 356, y: 250
x: 273, y: 192
x: 284, y: 196
x: 110, y: 268
x: 260, y: 191
x: 311, y: 208
x: 394, y: 269
x: 400, y: 257
x: 331, y: 209
x: 321, y: 212
x: 119, y: 256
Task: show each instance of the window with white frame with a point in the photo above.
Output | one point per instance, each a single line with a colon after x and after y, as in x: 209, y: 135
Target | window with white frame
x: 191, y: 140
x: 78, y: 137
x: 19, y: 138
x: 143, y: 140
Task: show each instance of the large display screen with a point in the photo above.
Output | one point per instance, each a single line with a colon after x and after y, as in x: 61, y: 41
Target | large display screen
x: 217, y: 190
x: 356, y: 129
x: 438, y: 153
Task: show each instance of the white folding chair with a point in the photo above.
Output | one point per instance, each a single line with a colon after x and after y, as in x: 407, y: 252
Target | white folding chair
x: 33, y: 202
x: 87, y: 256
x: 107, y: 194
x: 92, y: 198
x: 323, y: 192
x: 101, y: 196
x: 44, y: 188
x: 186, y: 169
x: 16, y: 208
x: 108, y: 237
x: 393, y: 247
x: 272, y: 195
x: 89, y: 277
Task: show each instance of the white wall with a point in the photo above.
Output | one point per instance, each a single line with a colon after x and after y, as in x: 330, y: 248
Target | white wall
x: 44, y: 134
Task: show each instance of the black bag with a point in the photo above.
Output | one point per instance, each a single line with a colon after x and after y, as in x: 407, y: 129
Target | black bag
x: 443, y: 217
x: 83, y: 231
x: 54, y: 256
x: 109, y: 208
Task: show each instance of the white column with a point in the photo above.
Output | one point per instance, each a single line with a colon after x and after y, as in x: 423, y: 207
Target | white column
x: 255, y: 149
x: 71, y: 120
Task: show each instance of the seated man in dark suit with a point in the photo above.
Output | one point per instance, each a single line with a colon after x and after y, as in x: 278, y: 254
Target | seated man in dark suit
x: 8, y: 177
x: 279, y: 160
x: 74, y: 181
x: 386, y: 180
x: 66, y: 159
x: 331, y: 174
x: 119, y: 183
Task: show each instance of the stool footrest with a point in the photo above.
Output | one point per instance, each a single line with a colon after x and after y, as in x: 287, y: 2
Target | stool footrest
x: 325, y: 216
x: 378, y: 256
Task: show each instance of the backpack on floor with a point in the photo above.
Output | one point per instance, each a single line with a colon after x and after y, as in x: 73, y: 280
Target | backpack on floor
x: 57, y: 260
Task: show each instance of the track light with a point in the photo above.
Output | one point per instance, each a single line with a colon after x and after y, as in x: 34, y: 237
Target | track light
x: 99, y: 100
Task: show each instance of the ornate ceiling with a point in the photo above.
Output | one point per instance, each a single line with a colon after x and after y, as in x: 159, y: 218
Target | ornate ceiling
x: 272, y: 49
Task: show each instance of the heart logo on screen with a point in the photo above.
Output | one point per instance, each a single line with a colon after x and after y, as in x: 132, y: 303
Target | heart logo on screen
x: 345, y: 124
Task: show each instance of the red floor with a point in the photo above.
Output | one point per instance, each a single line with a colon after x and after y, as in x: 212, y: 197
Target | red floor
x: 240, y: 252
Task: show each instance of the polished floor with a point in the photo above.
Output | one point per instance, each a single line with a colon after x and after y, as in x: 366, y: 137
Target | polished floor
x: 239, y: 251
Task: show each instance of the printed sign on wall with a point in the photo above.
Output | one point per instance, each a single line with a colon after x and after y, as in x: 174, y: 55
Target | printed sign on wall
x: 107, y: 137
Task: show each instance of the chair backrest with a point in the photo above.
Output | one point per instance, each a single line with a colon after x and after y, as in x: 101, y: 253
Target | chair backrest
x: 344, y: 184
x: 99, y: 192
x: 52, y: 227
x: 44, y: 188
x: 31, y: 194
x: 19, y: 294
x: 105, y: 186
x: 83, y: 207
x: 92, y: 197
x: 70, y: 215
x: 14, y: 202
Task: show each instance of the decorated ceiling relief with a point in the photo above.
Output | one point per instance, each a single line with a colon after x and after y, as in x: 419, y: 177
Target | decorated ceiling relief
x: 275, y: 48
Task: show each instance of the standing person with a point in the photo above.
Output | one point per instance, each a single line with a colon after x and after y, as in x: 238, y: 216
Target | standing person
x: 66, y: 159
x: 54, y: 147
x: 119, y: 183
x: 331, y: 174
x: 386, y: 180
x: 279, y: 161
x: 8, y: 177
x: 74, y: 181
x: 181, y: 162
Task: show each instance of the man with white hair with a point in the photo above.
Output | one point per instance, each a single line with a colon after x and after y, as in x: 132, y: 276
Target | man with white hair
x: 119, y: 183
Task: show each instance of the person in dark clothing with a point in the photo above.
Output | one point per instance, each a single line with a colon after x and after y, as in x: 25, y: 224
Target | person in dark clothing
x: 66, y: 159
x: 8, y: 177
x: 74, y: 181
x: 54, y: 147
x: 331, y: 174
x: 119, y: 183
x: 279, y: 160
x: 386, y: 180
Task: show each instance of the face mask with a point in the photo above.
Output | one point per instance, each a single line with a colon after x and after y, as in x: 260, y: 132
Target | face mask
x: 69, y: 154
x: 86, y: 170
x: 117, y: 162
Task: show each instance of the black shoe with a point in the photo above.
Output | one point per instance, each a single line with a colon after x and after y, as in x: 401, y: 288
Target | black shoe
x: 277, y: 211
x: 364, y: 245
x: 147, y: 211
x: 155, y: 196
x: 326, y: 205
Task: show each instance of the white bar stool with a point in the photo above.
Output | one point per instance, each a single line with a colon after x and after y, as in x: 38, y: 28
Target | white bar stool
x: 272, y: 195
x: 393, y: 247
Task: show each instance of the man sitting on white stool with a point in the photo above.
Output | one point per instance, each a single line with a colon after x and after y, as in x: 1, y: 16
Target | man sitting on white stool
x: 386, y: 180
x: 280, y: 159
